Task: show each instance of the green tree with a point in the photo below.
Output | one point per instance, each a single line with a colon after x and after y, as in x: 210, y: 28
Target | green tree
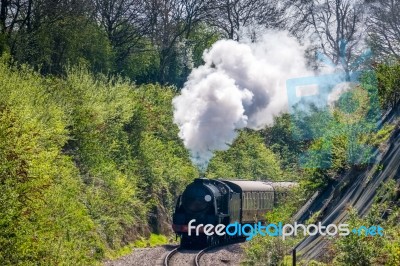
x: 247, y: 158
x: 165, y: 168
x: 388, y: 84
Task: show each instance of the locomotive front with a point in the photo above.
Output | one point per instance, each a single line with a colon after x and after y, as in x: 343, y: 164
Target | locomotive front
x: 198, y: 198
x: 204, y: 200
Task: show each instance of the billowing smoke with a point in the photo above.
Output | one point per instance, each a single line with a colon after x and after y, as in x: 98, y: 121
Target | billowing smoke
x: 240, y: 85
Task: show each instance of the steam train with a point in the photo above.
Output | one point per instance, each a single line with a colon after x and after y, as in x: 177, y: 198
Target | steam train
x: 217, y: 201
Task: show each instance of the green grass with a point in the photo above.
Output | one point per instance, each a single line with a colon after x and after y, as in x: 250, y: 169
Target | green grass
x: 153, y: 241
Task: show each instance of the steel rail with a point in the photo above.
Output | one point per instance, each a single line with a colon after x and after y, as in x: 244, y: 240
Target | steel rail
x: 170, y: 255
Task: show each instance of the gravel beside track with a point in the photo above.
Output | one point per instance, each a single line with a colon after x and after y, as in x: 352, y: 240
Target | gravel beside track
x: 142, y: 257
x: 225, y: 255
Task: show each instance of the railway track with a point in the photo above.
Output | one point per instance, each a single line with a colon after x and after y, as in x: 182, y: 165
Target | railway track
x: 169, y: 256
x: 201, y: 253
x: 196, y: 259
x: 197, y: 255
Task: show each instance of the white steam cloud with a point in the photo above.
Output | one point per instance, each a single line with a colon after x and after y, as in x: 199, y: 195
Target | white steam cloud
x: 240, y: 85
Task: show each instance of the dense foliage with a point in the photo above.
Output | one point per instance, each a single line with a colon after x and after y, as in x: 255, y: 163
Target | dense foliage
x: 91, y: 163
x: 90, y: 160
x: 70, y: 154
x: 388, y: 76
x: 162, y: 40
x: 368, y: 250
x: 247, y: 158
x: 323, y: 145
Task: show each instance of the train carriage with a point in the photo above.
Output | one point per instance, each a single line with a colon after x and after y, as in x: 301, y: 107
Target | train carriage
x: 223, y: 201
x: 256, y: 198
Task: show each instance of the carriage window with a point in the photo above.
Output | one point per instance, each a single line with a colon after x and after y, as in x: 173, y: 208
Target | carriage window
x: 254, y: 200
x: 247, y: 200
x: 271, y: 202
x: 272, y: 199
x: 263, y: 200
x: 258, y: 200
x: 266, y: 200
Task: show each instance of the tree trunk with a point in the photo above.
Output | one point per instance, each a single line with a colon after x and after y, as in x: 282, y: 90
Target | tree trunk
x: 3, y: 15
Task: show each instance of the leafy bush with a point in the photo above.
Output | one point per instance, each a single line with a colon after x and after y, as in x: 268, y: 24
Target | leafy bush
x: 247, y: 158
x: 388, y: 76
x: 43, y: 214
x: 269, y: 250
x: 88, y: 165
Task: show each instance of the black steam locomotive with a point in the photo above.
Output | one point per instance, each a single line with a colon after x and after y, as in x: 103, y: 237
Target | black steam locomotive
x: 216, y: 201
